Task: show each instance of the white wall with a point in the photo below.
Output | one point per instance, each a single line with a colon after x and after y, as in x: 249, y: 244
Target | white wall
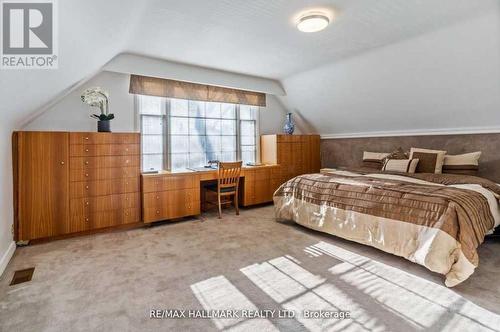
x: 7, y: 245
x: 446, y: 80
x: 72, y: 115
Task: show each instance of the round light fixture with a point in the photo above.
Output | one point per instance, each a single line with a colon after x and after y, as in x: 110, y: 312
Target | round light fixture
x: 313, y: 23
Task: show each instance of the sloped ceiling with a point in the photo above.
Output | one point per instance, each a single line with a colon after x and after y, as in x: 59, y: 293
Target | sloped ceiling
x: 255, y: 37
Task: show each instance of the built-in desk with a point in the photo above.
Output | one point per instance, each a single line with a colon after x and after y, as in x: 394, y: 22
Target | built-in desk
x: 169, y: 195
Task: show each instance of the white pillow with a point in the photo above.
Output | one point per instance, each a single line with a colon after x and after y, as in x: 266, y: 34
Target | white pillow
x: 463, y: 159
x: 401, y: 165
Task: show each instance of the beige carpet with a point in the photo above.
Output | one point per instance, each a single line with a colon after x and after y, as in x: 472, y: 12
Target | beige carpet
x: 110, y: 282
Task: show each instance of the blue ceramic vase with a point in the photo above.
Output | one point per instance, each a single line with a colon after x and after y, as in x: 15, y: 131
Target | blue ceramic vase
x: 289, y: 126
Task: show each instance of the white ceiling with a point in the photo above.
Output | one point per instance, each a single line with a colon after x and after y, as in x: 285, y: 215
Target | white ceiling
x: 259, y: 37
x: 255, y: 37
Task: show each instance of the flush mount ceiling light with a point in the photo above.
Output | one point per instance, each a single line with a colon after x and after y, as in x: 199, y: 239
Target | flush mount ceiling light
x: 313, y: 23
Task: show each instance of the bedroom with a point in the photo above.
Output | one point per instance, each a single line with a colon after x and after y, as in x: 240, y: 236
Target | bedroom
x: 366, y: 197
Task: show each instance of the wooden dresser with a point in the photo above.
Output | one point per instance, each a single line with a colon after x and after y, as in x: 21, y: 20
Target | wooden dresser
x: 72, y: 182
x: 169, y: 195
x: 296, y: 154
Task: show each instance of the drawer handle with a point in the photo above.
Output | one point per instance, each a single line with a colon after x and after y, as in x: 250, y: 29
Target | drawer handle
x: 87, y: 219
x: 157, y: 197
x: 86, y: 138
x: 86, y: 187
x: 86, y: 150
x: 86, y: 163
x: 157, y: 211
x: 87, y: 174
x: 127, y: 161
x: 62, y: 162
x: 87, y: 203
x: 126, y: 198
x: 126, y: 150
x: 126, y: 183
x: 127, y: 213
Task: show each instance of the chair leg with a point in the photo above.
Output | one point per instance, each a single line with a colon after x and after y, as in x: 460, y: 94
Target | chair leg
x: 236, y: 205
x: 220, y: 206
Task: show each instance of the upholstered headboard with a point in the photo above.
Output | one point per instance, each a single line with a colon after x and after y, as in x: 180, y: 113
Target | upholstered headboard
x: 349, y: 151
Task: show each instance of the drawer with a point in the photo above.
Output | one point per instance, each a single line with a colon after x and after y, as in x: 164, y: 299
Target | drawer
x: 171, y: 197
x: 169, y: 182
x: 107, y: 218
x: 104, y: 173
x: 104, y: 138
x: 87, y: 205
x: 104, y: 187
x: 170, y: 212
x: 289, y: 138
x: 81, y: 150
x: 104, y: 162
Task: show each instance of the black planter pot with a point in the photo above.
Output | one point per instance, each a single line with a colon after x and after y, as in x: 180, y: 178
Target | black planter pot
x: 104, y: 126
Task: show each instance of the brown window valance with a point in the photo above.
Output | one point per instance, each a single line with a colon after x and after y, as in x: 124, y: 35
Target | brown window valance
x: 159, y: 87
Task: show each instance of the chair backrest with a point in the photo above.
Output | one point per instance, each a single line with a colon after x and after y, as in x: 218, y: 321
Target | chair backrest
x: 229, y: 174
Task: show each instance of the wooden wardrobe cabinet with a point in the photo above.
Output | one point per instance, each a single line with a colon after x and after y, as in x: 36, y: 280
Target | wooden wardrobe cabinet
x: 73, y: 182
x: 296, y: 154
x: 41, y: 183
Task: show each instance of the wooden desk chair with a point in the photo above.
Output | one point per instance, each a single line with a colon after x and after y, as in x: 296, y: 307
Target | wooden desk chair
x: 228, y: 181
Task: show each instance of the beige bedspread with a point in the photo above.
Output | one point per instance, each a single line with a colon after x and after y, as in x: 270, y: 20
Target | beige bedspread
x: 436, y: 220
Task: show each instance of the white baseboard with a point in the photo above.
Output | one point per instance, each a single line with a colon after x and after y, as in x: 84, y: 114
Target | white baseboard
x: 418, y: 132
x: 7, y: 256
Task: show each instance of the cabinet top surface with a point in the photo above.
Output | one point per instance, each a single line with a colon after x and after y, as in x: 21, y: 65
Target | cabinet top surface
x: 77, y: 132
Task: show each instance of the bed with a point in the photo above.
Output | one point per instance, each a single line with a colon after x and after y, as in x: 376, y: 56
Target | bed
x: 435, y: 220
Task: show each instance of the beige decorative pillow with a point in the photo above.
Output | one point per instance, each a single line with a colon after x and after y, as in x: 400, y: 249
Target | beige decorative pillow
x: 430, y: 161
x: 374, y: 156
x: 467, y: 163
x: 401, y: 165
x: 374, y: 159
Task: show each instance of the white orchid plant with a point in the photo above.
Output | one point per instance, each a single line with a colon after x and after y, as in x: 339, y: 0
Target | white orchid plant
x: 98, y: 97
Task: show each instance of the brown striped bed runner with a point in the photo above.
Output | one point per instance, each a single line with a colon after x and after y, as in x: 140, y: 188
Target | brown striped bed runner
x: 463, y: 214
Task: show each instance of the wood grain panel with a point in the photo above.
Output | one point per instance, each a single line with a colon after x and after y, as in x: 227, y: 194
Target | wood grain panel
x: 165, y: 212
x: 104, y: 173
x: 104, y: 138
x: 263, y: 191
x: 169, y: 182
x: 104, y: 162
x: 171, y: 197
x: 104, y: 187
x: 43, y: 177
x: 103, y: 219
x: 295, y: 154
x: 83, y: 150
x: 87, y: 205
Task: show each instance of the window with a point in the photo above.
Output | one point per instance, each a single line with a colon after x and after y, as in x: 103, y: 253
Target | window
x: 152, y: 112
x: 179, y: 133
